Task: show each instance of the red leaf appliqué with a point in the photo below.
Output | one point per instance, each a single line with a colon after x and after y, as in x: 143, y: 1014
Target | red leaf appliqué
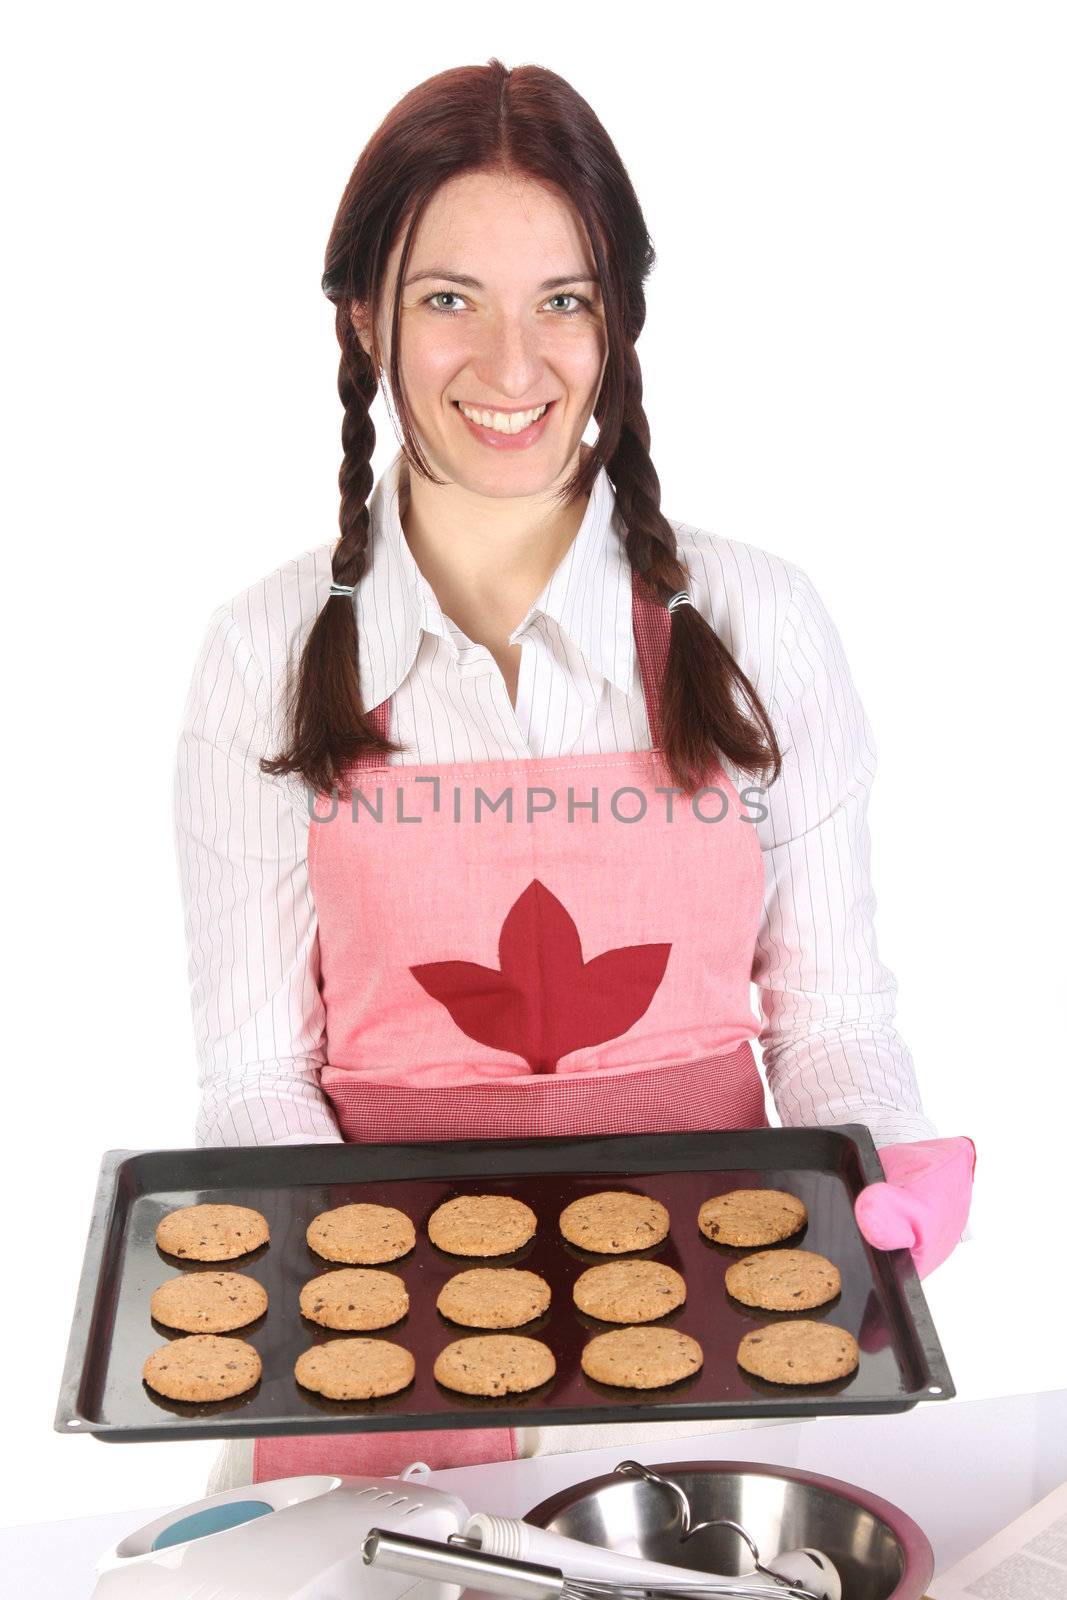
x: 545, y: 1001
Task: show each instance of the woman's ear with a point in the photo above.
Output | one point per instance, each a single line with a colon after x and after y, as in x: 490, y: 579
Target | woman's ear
x: 361, y: 323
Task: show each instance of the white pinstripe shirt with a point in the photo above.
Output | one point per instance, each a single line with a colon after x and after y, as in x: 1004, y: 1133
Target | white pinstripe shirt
x: 830, y: 1051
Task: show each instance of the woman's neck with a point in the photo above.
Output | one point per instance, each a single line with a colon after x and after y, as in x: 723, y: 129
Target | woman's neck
x: 486, y: 560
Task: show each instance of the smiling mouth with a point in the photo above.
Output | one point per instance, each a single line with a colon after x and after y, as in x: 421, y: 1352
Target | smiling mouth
x: 506, y: 422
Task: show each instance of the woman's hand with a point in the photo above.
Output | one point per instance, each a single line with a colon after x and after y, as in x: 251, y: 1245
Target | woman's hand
x: 923, y: 1204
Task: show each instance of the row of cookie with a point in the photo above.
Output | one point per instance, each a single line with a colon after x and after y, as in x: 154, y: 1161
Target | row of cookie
x: 799, y: 1351
x: 364, y: 1299
x: 206, y: 1367
x: 610, y: 1222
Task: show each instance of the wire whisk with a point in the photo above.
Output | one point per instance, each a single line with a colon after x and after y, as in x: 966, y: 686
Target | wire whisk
x: 460, y: 1562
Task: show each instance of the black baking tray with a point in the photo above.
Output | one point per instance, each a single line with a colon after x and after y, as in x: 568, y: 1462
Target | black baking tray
x: 881, y: 1302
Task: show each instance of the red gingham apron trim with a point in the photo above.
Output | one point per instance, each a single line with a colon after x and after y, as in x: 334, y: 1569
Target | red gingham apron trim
x: 720, y: 1091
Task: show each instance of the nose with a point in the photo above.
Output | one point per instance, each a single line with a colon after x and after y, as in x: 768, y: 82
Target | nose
x: 507, y: 363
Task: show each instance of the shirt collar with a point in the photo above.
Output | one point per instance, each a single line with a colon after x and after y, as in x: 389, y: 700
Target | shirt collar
x: 588, y: 596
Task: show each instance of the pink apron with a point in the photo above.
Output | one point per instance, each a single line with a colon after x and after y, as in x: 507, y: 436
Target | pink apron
x: 530, y: 947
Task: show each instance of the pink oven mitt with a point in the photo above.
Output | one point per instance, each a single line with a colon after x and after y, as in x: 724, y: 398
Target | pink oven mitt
x: 923, y: 1204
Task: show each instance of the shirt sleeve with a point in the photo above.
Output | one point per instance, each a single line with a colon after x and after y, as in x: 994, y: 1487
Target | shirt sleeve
x: 250, y: 924
x: 831, y: 1051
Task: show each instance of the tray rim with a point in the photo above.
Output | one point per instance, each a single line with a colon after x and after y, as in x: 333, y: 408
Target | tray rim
x: 897, y: 1264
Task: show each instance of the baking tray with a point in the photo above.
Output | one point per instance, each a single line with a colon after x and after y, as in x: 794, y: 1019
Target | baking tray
x: 881, y: 1302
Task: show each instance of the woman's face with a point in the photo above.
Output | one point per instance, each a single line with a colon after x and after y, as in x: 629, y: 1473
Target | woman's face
x: 500, y: 313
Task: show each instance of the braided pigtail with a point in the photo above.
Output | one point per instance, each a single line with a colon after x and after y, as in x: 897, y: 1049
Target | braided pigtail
x: 328, y: 723
x: 699, y: 712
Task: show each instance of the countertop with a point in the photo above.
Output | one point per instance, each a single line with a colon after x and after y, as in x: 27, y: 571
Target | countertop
x: 961, y: 1469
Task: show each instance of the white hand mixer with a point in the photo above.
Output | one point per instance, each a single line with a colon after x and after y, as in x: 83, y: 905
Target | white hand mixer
x: 332, y: 1538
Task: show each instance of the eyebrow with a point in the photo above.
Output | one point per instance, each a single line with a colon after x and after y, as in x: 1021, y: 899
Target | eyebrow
x: 473, y: 283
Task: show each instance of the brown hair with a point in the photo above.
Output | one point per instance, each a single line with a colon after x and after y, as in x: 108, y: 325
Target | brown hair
x: 527, y: 121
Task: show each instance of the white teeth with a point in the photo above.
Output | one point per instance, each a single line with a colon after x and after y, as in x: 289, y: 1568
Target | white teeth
x: 501, y: 421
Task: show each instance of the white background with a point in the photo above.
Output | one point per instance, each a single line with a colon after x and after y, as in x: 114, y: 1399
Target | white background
x: 854, y: 356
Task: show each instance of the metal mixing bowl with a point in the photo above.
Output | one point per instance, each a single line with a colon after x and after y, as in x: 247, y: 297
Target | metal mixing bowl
x: 880, y: 1552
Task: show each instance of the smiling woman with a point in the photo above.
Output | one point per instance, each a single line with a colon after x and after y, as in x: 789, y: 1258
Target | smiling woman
x: 488, y: 260
x: 513, y: 604
x: 515, y: 358
x: 513, y: 222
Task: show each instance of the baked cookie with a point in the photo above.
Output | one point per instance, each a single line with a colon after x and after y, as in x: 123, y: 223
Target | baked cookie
x: 361, y: 1234
x: 481, y: 1225
x: 641, y: 1358
x: 752, y: 1216
x: 783, y: 1280
x: 354, y: 1298
x: 494, y: 1363
x: 355, y: 1369
x: 613, y: 1221
x: 208, y: 1302
x: 212, y: 1233
x: 629, y: 1291
x: 494, y: 1297
x: 798, y: 1352
x: 202, y: 1367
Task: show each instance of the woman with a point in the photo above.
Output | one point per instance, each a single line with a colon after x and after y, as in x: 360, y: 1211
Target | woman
x: 510, y: 613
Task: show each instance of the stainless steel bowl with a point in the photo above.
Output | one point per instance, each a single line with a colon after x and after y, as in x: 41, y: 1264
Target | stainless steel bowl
x: 880, y: 1552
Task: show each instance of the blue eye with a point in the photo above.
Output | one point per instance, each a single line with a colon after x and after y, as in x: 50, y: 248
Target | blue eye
x: 568, y: 296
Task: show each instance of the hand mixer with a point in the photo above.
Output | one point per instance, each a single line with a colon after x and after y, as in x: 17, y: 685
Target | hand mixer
x: 315, y: 1538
